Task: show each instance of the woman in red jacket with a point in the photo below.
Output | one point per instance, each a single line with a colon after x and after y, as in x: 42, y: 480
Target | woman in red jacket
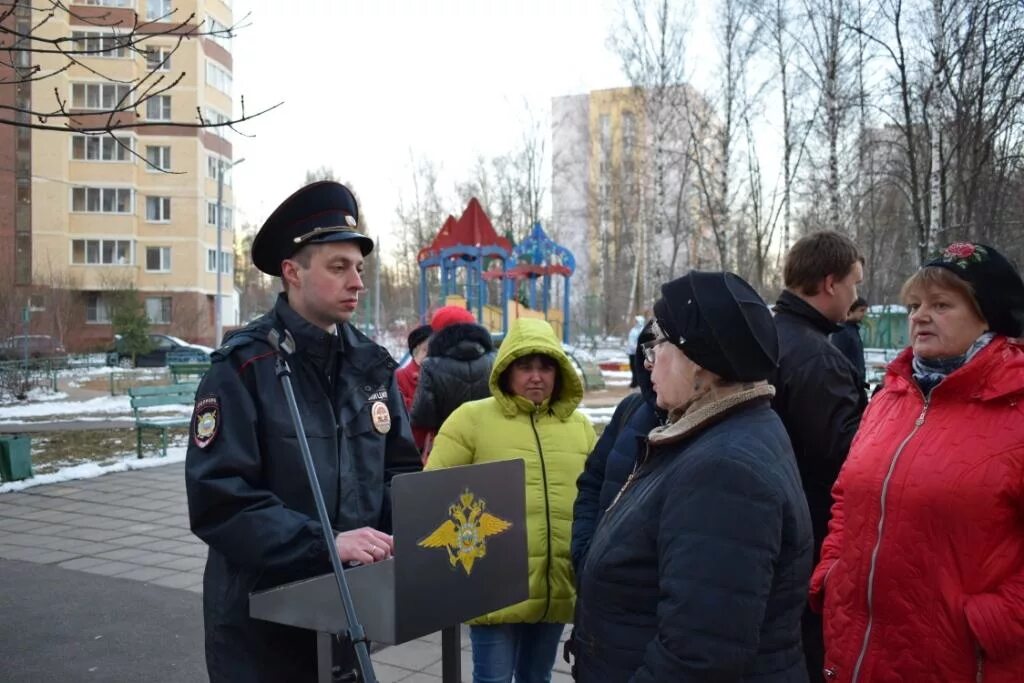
x: 921, y: 577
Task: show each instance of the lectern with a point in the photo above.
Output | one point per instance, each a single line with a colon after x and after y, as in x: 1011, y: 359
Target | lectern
x: 460, y: 552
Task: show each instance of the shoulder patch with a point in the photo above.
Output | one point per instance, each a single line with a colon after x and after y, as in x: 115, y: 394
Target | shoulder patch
x: 205, y: 421
x: 235, y: 342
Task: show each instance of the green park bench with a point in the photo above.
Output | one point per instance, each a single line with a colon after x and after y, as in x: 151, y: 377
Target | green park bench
x: 165, y: 395
x: 182, y: 371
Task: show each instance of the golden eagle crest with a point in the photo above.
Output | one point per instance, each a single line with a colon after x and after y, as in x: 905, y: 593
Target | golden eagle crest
x: 464, y: 536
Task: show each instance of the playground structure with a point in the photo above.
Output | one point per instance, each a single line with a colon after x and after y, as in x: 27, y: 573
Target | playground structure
x: 477, y: 265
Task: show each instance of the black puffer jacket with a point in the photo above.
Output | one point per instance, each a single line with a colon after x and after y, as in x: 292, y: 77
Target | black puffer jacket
x: 820, y: 400
x: 248, y: 495
x: 699, y: 571
x: 457, y: 369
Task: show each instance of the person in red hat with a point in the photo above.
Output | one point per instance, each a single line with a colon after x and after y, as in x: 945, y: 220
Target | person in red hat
x: 456, y: 370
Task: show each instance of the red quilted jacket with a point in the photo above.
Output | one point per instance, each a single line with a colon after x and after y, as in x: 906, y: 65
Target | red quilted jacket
x: 922, y: 574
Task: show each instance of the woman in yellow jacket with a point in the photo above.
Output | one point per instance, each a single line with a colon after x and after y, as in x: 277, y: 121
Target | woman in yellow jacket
x: 531, y: 415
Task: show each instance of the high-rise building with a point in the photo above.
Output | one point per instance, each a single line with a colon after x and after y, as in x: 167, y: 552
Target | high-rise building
x: 94, y: 214
x: 623, y: 197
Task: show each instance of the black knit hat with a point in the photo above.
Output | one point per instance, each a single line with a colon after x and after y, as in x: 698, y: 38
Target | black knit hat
x: 721, y: 324
x: 998, y: 288
x: 418, y: 336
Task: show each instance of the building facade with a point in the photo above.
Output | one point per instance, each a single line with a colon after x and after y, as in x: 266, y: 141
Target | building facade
x: 137, y: 208
x: 623, y: 199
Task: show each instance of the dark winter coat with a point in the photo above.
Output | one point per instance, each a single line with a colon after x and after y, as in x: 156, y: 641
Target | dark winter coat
x: 456, y: 370
x: 820, y: 400
x: 614, y: 457
x: 848, y: 340
x: 248, y: 494
x: 699, y: 570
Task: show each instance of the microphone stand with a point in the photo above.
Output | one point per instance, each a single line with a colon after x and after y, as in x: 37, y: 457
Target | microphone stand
x: 284, y: 345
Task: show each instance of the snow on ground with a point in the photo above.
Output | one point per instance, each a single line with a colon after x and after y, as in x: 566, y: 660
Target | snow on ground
x: 91, y: 469
x: 599, y: 416
x: 99, y: 408
x: 617, y: 378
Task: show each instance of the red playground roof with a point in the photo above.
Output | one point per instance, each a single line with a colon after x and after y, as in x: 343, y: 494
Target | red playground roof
x: 473, y: 229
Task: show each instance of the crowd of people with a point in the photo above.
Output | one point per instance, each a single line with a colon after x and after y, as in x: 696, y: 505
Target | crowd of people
x: 747, y: 515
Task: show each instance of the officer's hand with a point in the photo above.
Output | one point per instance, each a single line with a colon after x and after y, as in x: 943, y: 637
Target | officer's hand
x: 365, y: 545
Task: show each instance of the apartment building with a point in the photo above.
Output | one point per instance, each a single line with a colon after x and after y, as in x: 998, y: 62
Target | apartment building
x: 623, y: 197
x: 95, y: 214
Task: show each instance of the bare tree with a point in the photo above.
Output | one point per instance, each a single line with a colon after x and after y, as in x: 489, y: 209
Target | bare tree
x: 31, y: 36
x: 653, y: 178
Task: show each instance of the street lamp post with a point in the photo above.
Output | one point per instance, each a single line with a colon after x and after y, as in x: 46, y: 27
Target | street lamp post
x: 218, y: 323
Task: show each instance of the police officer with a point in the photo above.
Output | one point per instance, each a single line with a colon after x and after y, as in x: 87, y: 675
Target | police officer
x: 248, y: 494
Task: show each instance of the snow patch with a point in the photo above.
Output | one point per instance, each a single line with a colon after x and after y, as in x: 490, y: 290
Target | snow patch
x: 175, y: 454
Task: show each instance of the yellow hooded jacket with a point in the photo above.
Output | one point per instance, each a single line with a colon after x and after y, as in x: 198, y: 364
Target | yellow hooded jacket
x: 554, y: 441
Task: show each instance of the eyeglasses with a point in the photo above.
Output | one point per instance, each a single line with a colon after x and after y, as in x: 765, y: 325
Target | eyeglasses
x: 649, y: 349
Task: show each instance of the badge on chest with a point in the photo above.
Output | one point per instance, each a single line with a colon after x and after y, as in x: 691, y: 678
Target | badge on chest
x: 381, y: 417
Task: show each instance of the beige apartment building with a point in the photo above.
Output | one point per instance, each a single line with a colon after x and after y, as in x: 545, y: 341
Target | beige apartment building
x: 90, y: 217
x: 624, y: 199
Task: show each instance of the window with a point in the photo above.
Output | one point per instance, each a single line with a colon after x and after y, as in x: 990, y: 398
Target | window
x: 158, y: 108
x: 225, y: 261
x: 97, y: 44
x: 158, y: 209
x: 218, y: 77
x: 213, y: 117
x: 107, y: 3
x: 101, y: 148
x: 100, y: 96
x: 211, y: 215
x: 159, y: 158
x: 102, y: 200
x: 158, y: 58
x: 97, y: 308
x: 158, y: 259
x: 213, y: 164
x: 157, y: 9
x: 218, y: 33
x: 158, y: 310
x: 101, y: 252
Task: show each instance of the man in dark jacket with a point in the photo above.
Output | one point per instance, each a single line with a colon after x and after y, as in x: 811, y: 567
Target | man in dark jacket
x: 848, y: 338
x: 817, y: 392
x: 248, y: 493
x: 615, y: 454
x: 457, y: 368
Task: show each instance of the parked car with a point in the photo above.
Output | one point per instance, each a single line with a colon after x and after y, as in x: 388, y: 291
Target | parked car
x: 38, y: 346
x: 163, y: 346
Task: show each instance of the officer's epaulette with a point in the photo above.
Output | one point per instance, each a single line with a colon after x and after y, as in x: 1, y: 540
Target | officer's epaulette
x: 238, y: 339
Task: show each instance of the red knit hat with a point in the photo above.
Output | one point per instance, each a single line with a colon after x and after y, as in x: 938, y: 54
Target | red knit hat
x: 450, y: 315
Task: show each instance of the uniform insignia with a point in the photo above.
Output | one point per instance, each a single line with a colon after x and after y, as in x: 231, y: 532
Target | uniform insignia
x: 464, y: 536
x: 381, y: 417
x: 379, y: 395
x: 205, y: 421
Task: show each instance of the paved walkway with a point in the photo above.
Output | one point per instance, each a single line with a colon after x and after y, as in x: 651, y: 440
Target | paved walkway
x: 129, y: 533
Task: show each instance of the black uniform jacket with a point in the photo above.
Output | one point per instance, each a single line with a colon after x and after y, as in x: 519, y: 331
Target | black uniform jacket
x: 820, y: 400
x: 248, y: 494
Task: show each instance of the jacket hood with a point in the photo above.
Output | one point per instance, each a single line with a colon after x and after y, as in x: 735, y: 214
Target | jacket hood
x: 461, y: 341
x: 529, y: 336
x: 996, y: 371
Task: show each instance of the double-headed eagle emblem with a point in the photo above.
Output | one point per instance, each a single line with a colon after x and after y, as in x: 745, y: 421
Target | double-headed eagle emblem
x: 464, y: 536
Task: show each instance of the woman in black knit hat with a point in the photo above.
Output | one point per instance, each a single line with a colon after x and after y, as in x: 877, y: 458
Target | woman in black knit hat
x: 698, y: 570
x: 921, y: 577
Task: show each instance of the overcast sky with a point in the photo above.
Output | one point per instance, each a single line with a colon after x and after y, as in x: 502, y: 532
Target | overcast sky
x: 367, y: 85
